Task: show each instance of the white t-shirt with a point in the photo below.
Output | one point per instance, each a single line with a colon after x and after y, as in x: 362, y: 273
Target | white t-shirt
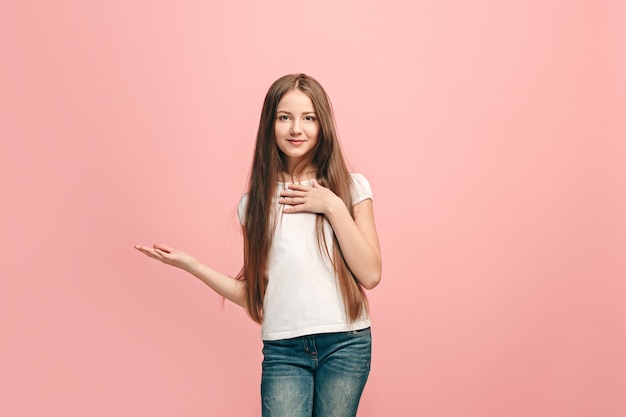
x: 303, y: 295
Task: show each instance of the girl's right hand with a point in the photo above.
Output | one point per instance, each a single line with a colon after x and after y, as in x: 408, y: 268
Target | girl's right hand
x: 169, y: 256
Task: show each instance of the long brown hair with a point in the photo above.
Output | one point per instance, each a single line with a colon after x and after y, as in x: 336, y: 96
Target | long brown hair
x: 267, y: 164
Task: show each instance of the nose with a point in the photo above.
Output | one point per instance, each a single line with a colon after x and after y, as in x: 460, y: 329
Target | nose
x: 295, y: 128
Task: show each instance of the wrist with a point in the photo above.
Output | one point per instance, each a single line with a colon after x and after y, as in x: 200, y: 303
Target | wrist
x: 192, y: 266
x: 337, y: 206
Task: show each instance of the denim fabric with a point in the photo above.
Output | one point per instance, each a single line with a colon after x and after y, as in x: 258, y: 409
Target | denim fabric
x: 321, y: 375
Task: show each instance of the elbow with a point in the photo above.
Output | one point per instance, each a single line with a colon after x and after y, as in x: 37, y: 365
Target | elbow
x: 370, y: 285
x: 372, y: 279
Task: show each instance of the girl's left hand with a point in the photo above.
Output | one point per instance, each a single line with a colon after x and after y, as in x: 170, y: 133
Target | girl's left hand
x: 300, y: 198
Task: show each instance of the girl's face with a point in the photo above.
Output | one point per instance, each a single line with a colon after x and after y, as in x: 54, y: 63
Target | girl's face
x: 296, y: 127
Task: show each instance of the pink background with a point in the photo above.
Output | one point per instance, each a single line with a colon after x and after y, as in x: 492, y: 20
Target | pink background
x: 492, y: 132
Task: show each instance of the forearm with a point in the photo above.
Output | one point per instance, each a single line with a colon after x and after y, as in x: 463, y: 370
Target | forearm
x: 359, y: 247
x: 228, y: 287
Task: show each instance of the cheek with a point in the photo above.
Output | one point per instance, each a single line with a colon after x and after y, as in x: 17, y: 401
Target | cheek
x: 317, y: 134
x: 277, y: 132
x: 280, y: 129
x: 313, y: 132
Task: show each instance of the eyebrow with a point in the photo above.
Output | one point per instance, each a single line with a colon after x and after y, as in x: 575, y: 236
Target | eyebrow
x: 284, y: 111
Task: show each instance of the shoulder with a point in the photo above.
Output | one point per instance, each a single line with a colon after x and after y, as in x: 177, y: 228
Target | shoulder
x: 241, y: 208
x: 361, y: 188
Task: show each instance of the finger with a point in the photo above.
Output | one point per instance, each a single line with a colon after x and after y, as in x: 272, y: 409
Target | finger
x: 317, y: 185
x: 299, y: 187
x: 163, y: 248
x: 293, y: 193
x: 294, y: 209
x: 162, y: 254
x: 292, y: 198
x: 292, y: 201
x: 143, y: 249
x: 148, y: 252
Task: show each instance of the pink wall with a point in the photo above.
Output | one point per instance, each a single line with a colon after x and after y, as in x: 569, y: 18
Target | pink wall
x: 492, y: 132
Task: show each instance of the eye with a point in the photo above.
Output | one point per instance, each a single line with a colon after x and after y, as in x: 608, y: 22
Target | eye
x: 309, y: 118
x: 283, y: 117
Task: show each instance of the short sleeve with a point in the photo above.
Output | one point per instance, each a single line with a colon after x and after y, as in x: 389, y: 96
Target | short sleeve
x: 361, y: 189
x: 241, y: 209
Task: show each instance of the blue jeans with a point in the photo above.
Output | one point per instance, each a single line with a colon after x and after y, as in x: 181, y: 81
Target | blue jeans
x: 321, y: 375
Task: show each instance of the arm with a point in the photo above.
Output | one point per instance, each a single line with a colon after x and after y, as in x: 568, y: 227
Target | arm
x: 357, y: 237
x: 227, y: 287
x: 358, y: 241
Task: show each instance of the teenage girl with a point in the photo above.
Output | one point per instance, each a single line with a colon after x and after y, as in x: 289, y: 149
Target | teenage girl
x: 310, y: 249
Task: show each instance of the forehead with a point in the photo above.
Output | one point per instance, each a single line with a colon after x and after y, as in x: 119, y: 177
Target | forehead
x: 295, y: 100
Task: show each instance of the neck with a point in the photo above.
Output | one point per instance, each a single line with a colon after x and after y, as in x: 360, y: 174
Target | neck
x: 298, y: 175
